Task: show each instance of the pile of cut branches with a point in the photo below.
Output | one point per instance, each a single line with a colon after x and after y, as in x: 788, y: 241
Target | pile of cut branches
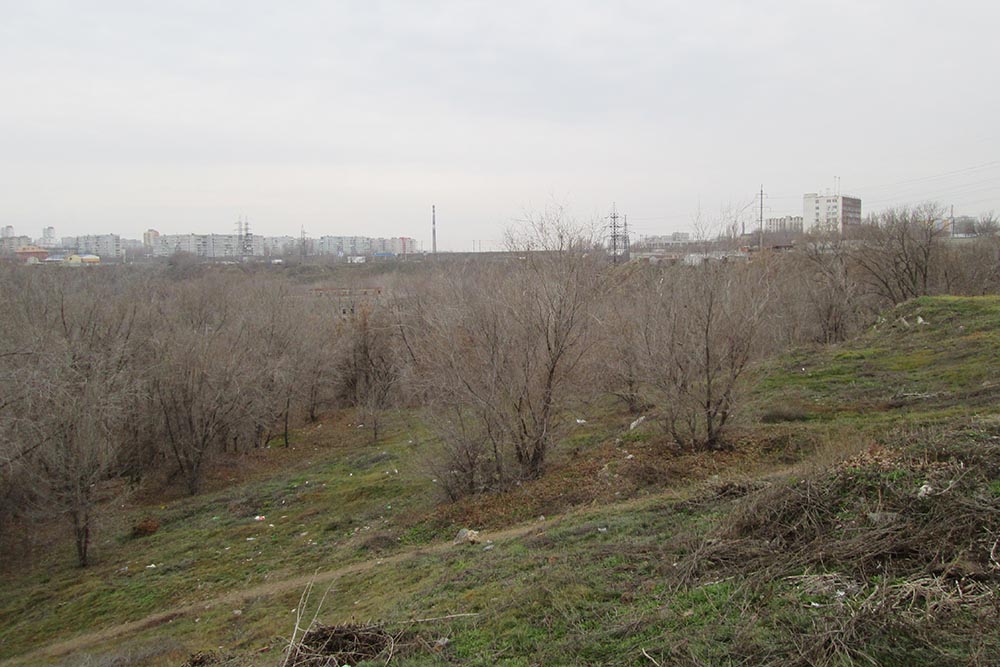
x: 336, y: 645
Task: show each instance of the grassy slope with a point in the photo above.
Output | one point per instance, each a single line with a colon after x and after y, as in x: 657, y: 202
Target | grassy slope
x: 602, y: 583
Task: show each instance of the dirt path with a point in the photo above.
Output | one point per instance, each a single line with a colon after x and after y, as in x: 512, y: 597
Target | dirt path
x: 299, y: 582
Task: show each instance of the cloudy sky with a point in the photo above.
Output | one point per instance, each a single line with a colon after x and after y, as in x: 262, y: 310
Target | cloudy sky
x: 354, y: 117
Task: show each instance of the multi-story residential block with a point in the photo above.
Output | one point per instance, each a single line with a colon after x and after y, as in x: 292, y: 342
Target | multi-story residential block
x: 829, y: 212
x: 48, y: 239
x: 105, y: 246
x: 11, y: 244
x: 149, y: 238
x: 209, y: 246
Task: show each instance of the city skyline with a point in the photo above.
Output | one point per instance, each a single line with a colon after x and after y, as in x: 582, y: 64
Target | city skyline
x: 354, y: 120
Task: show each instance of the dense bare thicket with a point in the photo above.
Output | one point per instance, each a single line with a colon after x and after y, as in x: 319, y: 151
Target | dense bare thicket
x: 113, y: 376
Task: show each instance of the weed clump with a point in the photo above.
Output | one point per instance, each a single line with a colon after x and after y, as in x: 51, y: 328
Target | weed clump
x: 145, y: 528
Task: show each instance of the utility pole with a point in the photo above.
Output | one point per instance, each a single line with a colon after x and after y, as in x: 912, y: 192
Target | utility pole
x: 627, y: 246
x: 761, y: 219
x: 434, y: 232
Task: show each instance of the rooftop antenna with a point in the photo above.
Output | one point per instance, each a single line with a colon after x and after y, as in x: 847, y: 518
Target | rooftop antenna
x: 434, y: 233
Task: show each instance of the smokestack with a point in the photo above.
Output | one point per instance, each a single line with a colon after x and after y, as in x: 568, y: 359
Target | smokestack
x: 434, y: 232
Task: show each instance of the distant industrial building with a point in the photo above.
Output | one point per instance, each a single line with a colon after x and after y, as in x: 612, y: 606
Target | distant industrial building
x: 789, y: 224
x: 664, y: 241
x: 829, y: 212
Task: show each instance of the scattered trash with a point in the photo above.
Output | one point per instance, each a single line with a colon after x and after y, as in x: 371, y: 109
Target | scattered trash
x: 237, y: 612
x: 602, y: 529
x: 581, y: 421
x: 925, y: 490
x: 259, y: 517
x: 630, y: 457
x: 151, y: 566
x: 636, y: 423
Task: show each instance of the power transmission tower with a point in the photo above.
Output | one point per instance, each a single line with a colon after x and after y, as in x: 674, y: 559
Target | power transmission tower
x: 246, y: 239
x: 618, y: 237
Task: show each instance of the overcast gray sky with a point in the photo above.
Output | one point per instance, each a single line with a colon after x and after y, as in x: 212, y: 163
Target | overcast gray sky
x: 354, y: 117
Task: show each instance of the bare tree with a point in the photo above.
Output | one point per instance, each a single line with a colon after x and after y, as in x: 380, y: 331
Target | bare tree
x: 370, y: 364
x: 831, y: 288
x: 705, y: 330
x: 75, y: 395
x: 501, y: 343
x: 899, y: 249
x: 988, y: 224
x: 206, y: 379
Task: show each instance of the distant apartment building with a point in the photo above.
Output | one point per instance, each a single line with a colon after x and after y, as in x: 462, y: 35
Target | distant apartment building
x: 105, y: 246
x: 789, y: 224
x: 282, y: 245
x: 48, y: 239
x: 11, y: 244
x: 221, y: 246
x: 829, y: 212
x: 7, y: 232
x: 149, y: 238
x: 209, y: 246
x: 359, y: 246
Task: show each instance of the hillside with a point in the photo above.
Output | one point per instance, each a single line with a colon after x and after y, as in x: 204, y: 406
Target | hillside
x: 855, y: 521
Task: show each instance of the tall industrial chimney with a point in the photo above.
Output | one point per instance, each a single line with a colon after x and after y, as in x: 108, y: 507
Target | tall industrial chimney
x: 434, y: 231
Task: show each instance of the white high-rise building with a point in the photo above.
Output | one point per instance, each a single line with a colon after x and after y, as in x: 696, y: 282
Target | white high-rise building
x: 829, y: 212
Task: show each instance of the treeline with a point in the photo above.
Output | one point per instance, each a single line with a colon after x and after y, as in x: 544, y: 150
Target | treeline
x: 109, y: 376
